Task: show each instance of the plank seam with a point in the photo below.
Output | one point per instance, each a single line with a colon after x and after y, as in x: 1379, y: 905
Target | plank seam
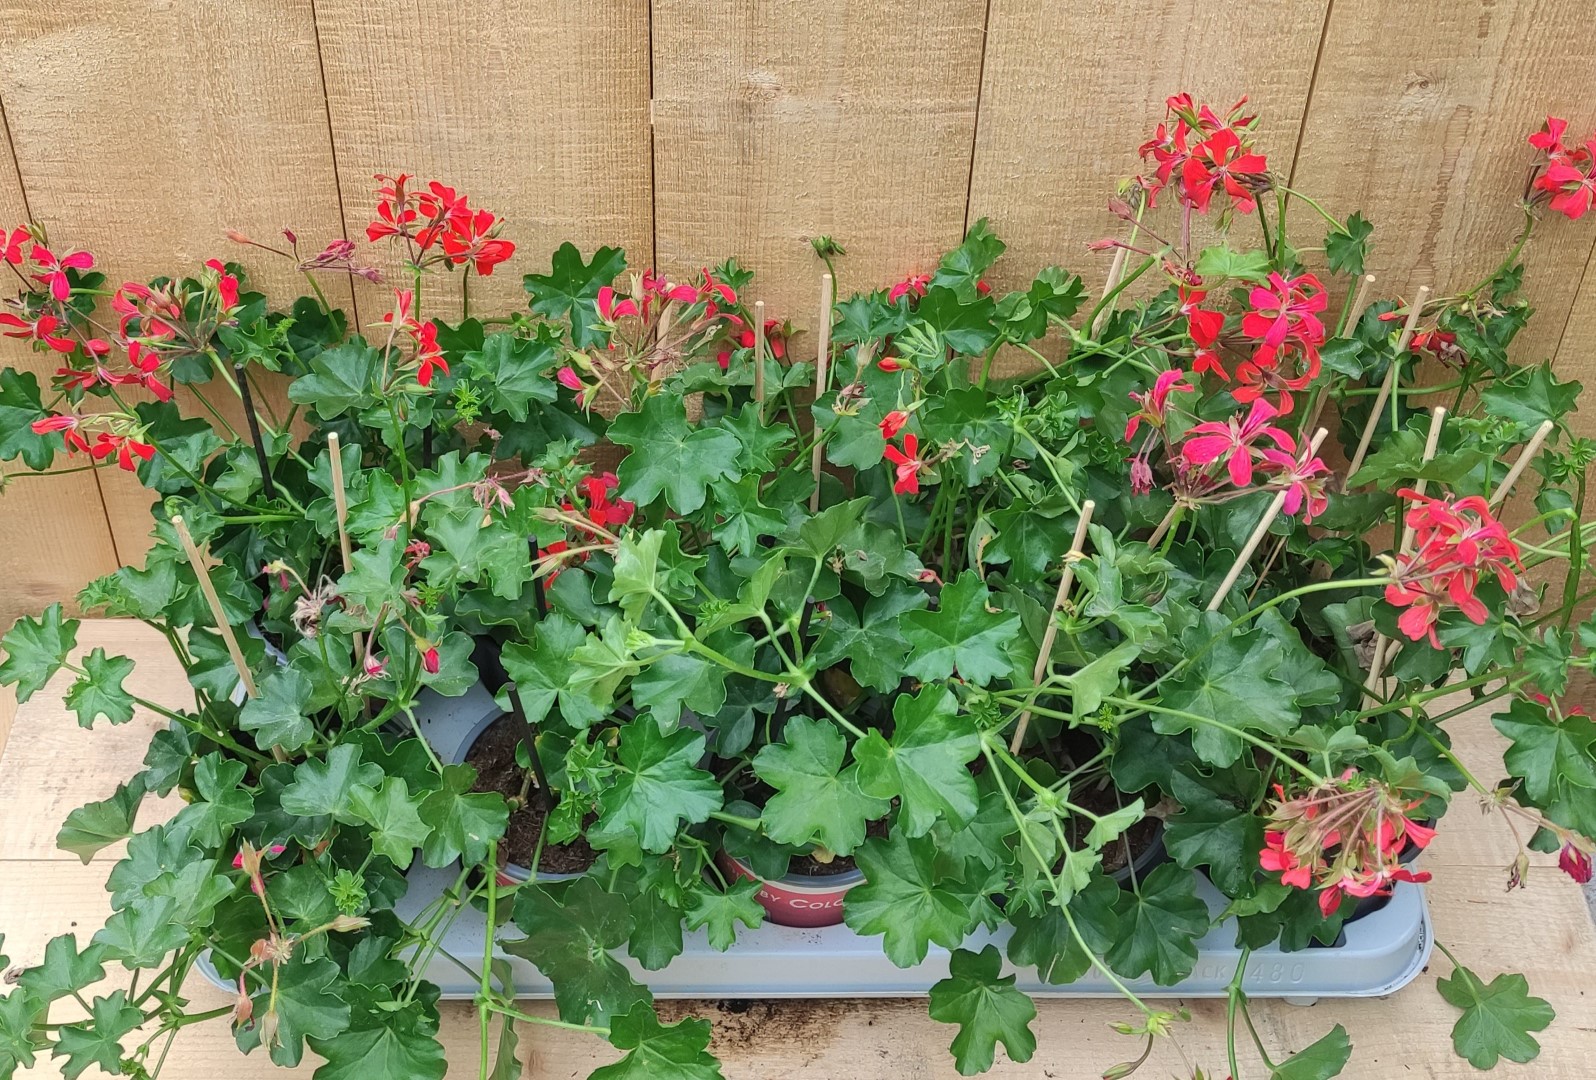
x: 1307, y: 102
x: 975, y: 126
x: 1579, y: 290
x: 653, y: 159
x: 16, y: 162
x: 332, y: 149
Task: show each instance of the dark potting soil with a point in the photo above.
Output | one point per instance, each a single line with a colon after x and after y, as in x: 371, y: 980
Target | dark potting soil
x: 1123, y: 851
x: 493, y: 756
x: 809, y: 866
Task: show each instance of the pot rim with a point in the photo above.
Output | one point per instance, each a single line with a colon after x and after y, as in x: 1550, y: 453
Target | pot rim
x: 804, y: 882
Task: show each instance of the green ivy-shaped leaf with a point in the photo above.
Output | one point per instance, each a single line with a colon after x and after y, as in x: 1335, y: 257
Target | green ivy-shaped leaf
x: 570, y: 290
x: 720, y: 912
x: 909, y: 899
x: 35, y: 649
x: 988, y: 1010
x: 963, y: 635
x: 656, y: 1051
x: 99, y: 1040
x: 1497, y: 1017
x: 817, y: 799
x: 657, y: 786
x: 925, y: 764
x: 98, y: 691
x: 668, y: 457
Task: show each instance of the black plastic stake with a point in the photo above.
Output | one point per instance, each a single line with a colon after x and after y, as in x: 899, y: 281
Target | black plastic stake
x: 245, y: 395
x: 529, y: 733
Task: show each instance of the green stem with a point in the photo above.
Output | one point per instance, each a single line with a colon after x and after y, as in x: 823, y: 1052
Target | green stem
x: 500, y: 1007
x: 1208, y: 721
x: 490, y: 874
x: 753, y: 825
x: 1113, y: 294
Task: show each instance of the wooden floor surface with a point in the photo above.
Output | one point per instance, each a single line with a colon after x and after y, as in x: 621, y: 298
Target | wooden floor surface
x: 51, y: 766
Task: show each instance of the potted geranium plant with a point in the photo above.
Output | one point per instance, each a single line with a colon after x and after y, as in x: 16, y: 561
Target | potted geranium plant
x: 1046, y: 657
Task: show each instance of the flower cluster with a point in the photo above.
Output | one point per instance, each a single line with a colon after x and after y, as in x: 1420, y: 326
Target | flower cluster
x: 156, y: 324
x: 1202, y: 153
x: 1344, y: 836
x: 651, y: 291
x: 1569, y: 177
x: 1454, y: 543
x: 115, y: 439
x: 655, y: 325
x: 423, y: 336
x: 1249, y: 452
x: 1281, y: 327
x: 593, y: 514
x: 438, y: 224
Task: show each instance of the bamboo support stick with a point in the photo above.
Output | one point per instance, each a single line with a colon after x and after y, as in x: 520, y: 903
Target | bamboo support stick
x: 1390, y: 381
x: 1116, y: 270
x: 340, y: 500
x: 822, y: 377
x: 223, y: 627
x: 759, y: 358
x: 1431, y: 442
x: 1382, y: 644
x: 1259, y: 532
x: 1163, y: 526
x: 1050, y: 635
x: 1531, y: 448
x: 1355, y: 306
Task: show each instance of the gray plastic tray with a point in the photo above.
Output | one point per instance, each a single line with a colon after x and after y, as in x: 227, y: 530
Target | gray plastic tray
x: 1379, y: 954
x: 1382, y: 953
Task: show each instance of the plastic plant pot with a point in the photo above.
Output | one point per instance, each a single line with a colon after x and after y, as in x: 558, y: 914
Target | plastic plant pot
x: 805, y: 900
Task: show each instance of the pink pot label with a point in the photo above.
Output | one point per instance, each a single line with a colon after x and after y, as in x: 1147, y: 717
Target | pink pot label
x: 793, y: 905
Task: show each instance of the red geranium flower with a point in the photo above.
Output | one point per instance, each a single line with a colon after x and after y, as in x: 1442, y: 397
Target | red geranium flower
x: 1222, y: 160
x: 909, y: 465
x: 226, y: 285
x: 1155, y: 402
x: 1232, y: 441
x: 70, y: 428
x: 54, y: 277
x: 41, y: 328
x: 1203, y: 326
x: 893, y: 423
x: 11, y: 246
x: 1285, y: 310
x: 1574, y: 862
x: 913, y: 286
x: 1454, y: 543
x: 124, y: 447
x: 1302, y: 479
x: 473, y: 238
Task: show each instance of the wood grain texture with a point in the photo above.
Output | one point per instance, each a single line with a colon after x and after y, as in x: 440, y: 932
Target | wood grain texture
x: 1576, y: 351
x: 1418, y: 119
x: 144, y: 131
x: 1073, y: 87
x: 537, y: 109
x: 775, y: 122
x: 872, y: 1039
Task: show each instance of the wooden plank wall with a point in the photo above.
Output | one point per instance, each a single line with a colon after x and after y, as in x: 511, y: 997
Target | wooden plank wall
x: 687, y: 132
